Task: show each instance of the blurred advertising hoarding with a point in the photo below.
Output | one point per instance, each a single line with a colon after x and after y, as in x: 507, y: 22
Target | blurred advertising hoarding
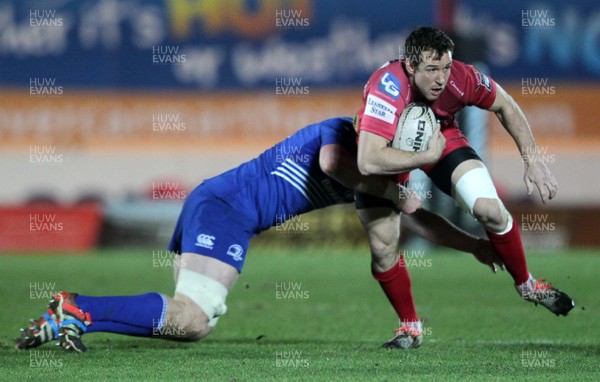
x: 246, y: 44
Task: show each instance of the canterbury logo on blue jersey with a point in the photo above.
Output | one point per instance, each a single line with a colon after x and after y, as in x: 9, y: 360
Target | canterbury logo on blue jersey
x: 390, y: 85
x: 301, y: 180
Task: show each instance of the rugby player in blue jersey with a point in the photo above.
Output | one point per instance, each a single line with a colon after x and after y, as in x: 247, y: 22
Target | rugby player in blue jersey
x: 313, y: 168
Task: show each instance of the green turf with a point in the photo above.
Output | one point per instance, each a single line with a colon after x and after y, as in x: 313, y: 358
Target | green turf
x: 476, y: 327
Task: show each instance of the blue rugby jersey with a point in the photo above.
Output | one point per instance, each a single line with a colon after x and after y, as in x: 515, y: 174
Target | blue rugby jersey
x: 286, y: 180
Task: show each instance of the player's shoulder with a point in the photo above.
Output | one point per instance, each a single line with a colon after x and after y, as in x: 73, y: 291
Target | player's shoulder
x: 464, y: 74
x: 389, y: 82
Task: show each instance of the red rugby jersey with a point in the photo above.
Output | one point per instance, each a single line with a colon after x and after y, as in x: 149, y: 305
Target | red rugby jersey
x: 388, y: 91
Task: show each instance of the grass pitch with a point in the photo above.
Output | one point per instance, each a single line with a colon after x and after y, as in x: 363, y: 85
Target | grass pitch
x: 317, y: 315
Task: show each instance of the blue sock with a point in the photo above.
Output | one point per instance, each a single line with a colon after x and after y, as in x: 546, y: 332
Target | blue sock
x: 120, y: 328
x: 134, y: 315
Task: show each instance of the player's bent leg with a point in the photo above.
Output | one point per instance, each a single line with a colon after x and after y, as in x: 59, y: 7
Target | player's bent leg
x: 201, y: 290
x: 474, y: 191
x: 382, y: 223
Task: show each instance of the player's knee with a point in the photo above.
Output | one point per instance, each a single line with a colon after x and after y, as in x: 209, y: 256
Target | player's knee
x: 203, y: 303
x: 196, y: 328
x: 188, y: 323
x: 491, y: 213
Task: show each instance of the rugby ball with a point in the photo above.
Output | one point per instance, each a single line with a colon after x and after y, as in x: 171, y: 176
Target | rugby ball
x: 415, y: 128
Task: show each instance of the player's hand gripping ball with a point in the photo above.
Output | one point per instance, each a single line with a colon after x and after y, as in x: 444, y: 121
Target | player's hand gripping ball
x: 415, y: 128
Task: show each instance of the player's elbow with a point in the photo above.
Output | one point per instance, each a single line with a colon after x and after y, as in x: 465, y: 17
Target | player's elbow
x: 366, y: 167
x: 329, y: 160
x: 329, y: 165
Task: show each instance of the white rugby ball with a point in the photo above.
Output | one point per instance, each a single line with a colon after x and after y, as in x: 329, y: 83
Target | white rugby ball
x: 415, y: 128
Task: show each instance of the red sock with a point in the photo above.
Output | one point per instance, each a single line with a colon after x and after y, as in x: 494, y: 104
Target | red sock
x: 397, y: 287
x: 510, y: 250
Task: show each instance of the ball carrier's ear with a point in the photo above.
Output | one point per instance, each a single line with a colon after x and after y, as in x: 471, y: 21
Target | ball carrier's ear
x: 415, y: 128
x: 410, y: 67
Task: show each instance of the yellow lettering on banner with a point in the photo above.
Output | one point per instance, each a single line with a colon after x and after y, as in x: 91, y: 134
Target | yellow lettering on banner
x: 184, y: 13
x: 216, y: 16
x: 252, y: 23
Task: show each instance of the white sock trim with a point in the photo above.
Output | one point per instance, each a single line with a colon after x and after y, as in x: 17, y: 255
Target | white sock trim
x: 163, y: 314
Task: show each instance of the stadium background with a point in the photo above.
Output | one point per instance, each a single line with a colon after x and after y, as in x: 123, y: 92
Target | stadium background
x: 112, y: 111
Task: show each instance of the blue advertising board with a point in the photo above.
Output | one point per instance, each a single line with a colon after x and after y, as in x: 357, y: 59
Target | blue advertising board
x: 245, y: 44
x: 205, y: 44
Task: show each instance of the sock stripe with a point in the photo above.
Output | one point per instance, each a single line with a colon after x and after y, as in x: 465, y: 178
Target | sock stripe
x: 163, y: 313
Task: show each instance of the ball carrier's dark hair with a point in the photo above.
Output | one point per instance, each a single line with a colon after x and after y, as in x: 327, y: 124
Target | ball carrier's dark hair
x: 423, y: 39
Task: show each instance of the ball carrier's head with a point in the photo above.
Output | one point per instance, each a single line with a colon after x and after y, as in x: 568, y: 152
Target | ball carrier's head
x: 428, y: 59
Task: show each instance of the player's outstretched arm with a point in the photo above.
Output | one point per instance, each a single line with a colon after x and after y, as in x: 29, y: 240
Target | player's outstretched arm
x: 440, y: 231
x: 376, y: 157
x: 513, y: 119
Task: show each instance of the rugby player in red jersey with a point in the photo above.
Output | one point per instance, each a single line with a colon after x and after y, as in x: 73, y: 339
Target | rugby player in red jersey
x: 427, y: 73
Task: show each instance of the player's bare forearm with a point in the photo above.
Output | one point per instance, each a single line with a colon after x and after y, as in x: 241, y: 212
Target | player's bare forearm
x: 514, y: 121
x: 376, y: 157
x: 536, y: 172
